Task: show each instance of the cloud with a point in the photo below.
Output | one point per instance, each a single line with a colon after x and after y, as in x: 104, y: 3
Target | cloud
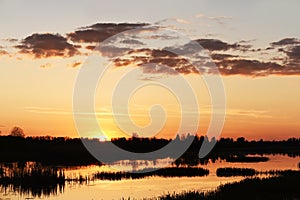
x: 249, y: 67
x: 218, y: 19
x: 75, y: 64
x: 156, y: 61
x: 133, y: 42
x: 47, y: 45
x: 285, y: 41
x: 248, y: 113
x: 90, y: 47
x: 230, y: 58
x: 294, y: 53
x: 182, y: 21
x: 101, y: 31
x: 165, y: 61
x: 47, y: 110
x: 200, y: 15
x: 112, y: 51
x: 58, y: 111
x: 221, y: 57
x: 12, y: 40
x: 174, y: 23
x: 189, y: 49
x: 153, y: 68
x: 291, y: 48
x: 218, y: 45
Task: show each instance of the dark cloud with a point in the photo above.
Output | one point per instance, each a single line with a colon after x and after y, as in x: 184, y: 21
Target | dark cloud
x: 293, y: 54
x: 221, y: 57
x: 156, y: 61
x: 218, y: 45
x: 101, y: 31
x: 285, y: 41
x: 90, y: 47
x: 87, y: 36
x: 169, y: 60
x: 269, y: 48
x: 291, y: 48
x: 249, y: 67
x: 47, y: 45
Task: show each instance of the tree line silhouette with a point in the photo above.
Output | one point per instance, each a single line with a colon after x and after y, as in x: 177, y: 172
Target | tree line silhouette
x: 71, y: 151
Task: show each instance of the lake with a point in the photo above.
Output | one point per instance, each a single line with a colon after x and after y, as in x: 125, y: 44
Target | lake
x: 147, y: 187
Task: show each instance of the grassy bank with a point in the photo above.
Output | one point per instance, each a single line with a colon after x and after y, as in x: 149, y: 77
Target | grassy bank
x: 228, y: 172
x: 284, y: 186
x: 164, y: 172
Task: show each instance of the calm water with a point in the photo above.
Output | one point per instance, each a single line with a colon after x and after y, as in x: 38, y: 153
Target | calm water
x: 151, y: 186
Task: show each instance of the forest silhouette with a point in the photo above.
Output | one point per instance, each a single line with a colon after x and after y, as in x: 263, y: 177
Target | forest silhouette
x: 71, y: 151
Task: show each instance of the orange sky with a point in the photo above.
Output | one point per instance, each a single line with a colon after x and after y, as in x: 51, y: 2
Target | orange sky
x: 40, y: 101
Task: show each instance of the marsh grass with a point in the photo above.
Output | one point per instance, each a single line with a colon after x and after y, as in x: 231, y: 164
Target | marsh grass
x: 228, y: 172
x: 164, y: 172
x: 284, y: 186
x: 35, y: 181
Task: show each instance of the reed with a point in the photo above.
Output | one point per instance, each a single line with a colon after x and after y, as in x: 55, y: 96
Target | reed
x: 37, y: 181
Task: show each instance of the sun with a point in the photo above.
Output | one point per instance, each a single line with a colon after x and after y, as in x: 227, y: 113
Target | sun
x: 102, y: 138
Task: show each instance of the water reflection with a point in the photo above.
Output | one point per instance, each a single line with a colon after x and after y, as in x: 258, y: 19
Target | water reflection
x: 31, y: 179
x: 34, y: 180
x: 136, y: 165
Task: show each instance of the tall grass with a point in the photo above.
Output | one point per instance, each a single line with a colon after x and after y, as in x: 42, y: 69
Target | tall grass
x: 37, y: 181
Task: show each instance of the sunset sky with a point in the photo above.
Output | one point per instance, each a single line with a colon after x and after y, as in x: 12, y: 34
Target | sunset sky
x: 255, y: 45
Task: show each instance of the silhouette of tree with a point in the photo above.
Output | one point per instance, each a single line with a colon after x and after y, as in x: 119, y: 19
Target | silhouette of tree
x: 17, y: 132
x: 241, y: 140
x: 135, y: 135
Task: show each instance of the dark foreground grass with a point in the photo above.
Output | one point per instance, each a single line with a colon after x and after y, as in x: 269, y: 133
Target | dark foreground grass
x: 284, y: 186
